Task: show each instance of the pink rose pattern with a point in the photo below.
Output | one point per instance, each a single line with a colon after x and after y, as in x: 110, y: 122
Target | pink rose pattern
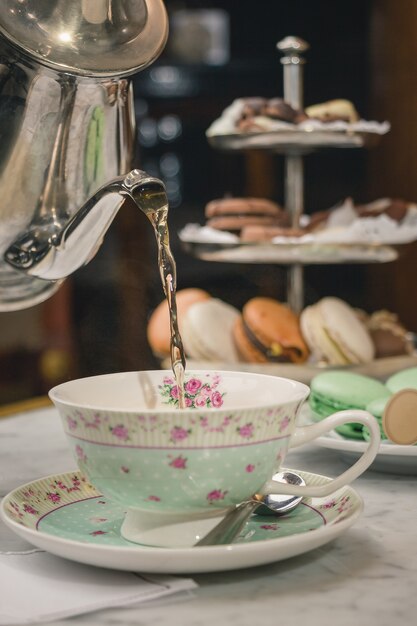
x: 341, y: 506
x: 245, y: 431
x: 216, y: 495
x: 284, y: 424
x: 269, y: 526
x: 178, y: 462
x: 120, y: 431
x: 179, y: 434
x: 33, y: 501
x: 81, y: 455
x: 53, y: 496
x: 72, y: 423
x: 198, y: 394
x: 208, y: 427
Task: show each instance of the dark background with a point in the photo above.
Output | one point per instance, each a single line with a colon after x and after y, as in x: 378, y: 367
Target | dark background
x: 97, y: 322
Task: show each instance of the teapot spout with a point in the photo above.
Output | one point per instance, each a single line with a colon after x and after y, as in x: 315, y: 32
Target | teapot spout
x: 53, y: 253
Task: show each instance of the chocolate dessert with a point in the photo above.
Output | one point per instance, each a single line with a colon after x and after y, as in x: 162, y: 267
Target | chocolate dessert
x: 273, y: 109
x: 233, y: 214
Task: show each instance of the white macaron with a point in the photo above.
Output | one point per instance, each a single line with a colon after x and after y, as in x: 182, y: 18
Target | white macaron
x: 207, y: 331
x: 335, y: 334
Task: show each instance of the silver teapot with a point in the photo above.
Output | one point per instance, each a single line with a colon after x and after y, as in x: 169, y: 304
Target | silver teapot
x: 66, y: 132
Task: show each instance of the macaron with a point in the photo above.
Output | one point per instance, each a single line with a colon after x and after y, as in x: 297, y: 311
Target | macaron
x: 405, y: 379
x: 335, y: 334
x: 336, y: 391
x: 233, y: 214
x: 377, y: 408
x: 269, y: 331
x: 389, y: 336
x: 159, y: 329
x: 207, y: 331
x: 400, y: 417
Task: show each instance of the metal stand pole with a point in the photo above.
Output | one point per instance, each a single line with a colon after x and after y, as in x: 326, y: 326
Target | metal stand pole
x: 293, y: 47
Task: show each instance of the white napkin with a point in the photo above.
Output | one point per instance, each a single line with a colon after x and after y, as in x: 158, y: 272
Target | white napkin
x: 37, y: 587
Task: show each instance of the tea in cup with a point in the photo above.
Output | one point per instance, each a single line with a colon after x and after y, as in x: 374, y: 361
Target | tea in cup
x: 167, y: 465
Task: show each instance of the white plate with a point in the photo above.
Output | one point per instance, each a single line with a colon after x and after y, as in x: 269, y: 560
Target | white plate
x: 391, y: 458
x: 286, y: 137
x: 298, y: 141
x: 290, y: 253
x: 66, y: 516
x: 305, y: 372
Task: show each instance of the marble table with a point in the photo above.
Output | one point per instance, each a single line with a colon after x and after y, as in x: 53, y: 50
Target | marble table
x: 366, y: 576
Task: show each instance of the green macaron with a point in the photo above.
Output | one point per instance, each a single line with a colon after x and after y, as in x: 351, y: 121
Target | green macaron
x: 405, y: 379
x: 377, y: 408
x: 339, y: 390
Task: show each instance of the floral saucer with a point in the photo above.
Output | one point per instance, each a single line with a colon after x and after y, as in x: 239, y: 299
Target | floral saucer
x: 65, y: 515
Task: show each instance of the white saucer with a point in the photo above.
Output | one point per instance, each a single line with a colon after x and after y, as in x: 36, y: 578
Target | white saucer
x: 66, y: 516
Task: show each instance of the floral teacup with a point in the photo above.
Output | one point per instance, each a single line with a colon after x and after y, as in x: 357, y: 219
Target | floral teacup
x: 134, y: 444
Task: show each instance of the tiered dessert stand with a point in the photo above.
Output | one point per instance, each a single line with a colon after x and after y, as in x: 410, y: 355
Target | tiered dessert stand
x: 294, y: 143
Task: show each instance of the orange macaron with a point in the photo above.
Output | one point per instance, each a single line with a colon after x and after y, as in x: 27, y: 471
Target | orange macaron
x: 159, y: 330
x: 269, y: 331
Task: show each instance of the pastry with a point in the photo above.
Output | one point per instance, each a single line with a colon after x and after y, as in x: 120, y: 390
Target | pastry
x: 268, y: 331
x: 257, y: 232
x: 336, y: 391
x: 257, y: 113
x: 377, y: 408
x: 405, y: 379
x: 333, y: 110
x: 395, y: 208
x: 278, y: 109
x: 233, y: 214
x: 388, y: 334
x: 335, y: 334
x: 239, y: 206
x: 207, y: 331
x: 252, y: 107
x: 159, y: 330
x: 345, y: 214
x: 318, y: 220
x: 399, y: 419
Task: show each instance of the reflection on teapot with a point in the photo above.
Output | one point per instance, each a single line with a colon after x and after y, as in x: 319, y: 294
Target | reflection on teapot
x: 66, y: 130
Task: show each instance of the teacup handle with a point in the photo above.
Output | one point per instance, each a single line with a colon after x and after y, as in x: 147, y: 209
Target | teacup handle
x: 304, y: 434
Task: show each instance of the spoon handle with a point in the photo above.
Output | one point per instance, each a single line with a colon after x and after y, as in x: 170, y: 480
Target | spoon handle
x: 230, y: 526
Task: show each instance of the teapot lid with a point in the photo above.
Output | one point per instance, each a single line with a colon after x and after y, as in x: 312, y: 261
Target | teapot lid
x: 87, y: 37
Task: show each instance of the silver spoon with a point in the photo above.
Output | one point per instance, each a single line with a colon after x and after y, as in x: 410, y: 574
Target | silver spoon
x: 233, y: 522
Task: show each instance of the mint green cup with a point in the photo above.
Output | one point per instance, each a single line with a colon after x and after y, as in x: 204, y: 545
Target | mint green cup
x: 134, y: 444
